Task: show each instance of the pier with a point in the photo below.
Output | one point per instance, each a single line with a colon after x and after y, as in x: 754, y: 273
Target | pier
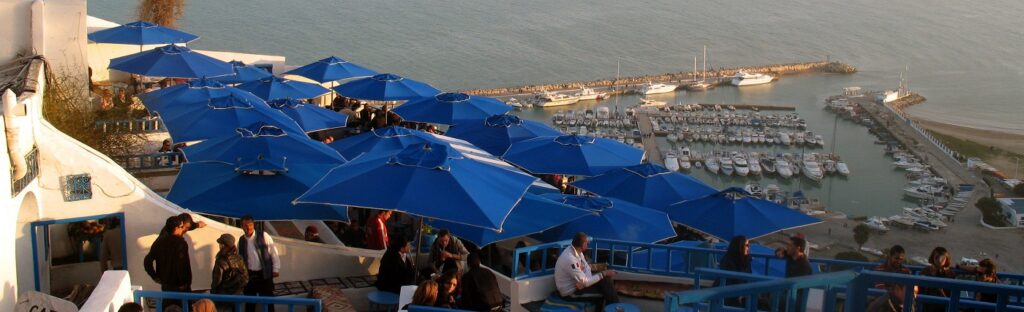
x: 647, y: 138
x: 627, y: 84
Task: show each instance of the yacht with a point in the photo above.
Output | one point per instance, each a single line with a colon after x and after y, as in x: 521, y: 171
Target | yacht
x: 767, y: 164
x: 550, y: 99
x: 920, y: 192
x: 684, y: 162
x: 657, y: 88
x: 782, y: 167
x: 514, y: 102
x: 829, y: 165
x: 746, y: 79
x: 812, y: 170
x: 651, y: 103
x: 784, y: 138
x: 712, y: 164
x: 588, y: 94
x: 699, y: 86
x: 741, y: 165
x: 754, y: 163
x: 842, y: 168
x: 726, y: 163
x: 876, y: 224
x: 603, y: 112
x: 671, y: 161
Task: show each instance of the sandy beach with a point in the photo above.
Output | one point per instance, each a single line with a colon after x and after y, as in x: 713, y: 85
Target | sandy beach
x: 1006, y: 141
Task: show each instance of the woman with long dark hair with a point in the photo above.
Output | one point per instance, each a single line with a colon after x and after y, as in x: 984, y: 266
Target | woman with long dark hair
x: 938, y: 266
x: 737, y: 259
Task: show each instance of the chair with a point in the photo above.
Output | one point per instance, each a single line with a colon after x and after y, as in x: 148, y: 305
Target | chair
x: 405, y: 297
x: 383, y: 301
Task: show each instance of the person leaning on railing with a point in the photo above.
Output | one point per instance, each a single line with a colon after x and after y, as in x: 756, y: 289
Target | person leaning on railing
x: 938, y: 266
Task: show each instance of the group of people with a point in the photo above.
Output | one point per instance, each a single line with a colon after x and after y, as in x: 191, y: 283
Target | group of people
x: 738, y: 259
x: 443, y: 282
x: 246, y: 266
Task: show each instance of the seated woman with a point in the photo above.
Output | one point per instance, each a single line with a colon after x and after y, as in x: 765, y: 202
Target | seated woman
x: 396, y: 268
x: 737, y: 259
x: 425, y: 295
x: 448, y: 289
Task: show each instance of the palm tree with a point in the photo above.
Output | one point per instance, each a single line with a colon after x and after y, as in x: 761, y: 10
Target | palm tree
x: 161, y: 12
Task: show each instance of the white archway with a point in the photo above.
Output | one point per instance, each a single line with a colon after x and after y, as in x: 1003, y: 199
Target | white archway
x: 28, y: 212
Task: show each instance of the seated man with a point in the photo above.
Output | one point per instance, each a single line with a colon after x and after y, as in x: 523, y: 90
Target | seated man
x: 480, y: 290
x: 573, y: 277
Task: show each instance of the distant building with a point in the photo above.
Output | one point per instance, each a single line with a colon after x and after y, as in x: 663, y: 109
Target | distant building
x: 1013, y: 209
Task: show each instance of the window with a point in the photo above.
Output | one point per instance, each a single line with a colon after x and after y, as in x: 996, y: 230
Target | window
x: 76, y: 187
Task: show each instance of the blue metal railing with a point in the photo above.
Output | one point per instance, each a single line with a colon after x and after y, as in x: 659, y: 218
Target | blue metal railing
x: 166, y: 160
x: 1007, y: 296
x: 778, y: 290
x: 32, y: 164
x: 680, y: 261
x: 721, y: 276
x: 139, y: 125
x: 237, y: 301
x: 419, y: 308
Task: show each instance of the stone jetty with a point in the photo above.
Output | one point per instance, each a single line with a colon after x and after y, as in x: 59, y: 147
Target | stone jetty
x: 721, y: 75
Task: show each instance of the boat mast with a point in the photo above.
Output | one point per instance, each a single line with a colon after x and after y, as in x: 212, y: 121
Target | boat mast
x: 618, y: 62
x: 705, y: 76
x: 694, y: 68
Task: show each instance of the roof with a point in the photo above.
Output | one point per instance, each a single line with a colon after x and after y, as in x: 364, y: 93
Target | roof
x: 1017, y: 204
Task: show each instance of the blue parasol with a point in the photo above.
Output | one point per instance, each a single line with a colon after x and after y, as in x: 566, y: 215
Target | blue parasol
x: 141, y: 33
x: 613, y: 219
x: 572, y: 154
x: 648, y: 185
x: 386, y: 87
x: 331, y: 69
x: 451, y: 108
x: 243, y: 73
x: 733, y: 212
x: 496, y: 133
x: 310, y: 117
x: 171, y: 61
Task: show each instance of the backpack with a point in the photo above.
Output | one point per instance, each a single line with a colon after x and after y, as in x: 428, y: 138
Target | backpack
x: 233, y: 280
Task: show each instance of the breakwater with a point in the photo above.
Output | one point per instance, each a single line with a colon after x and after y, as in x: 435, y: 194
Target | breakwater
x: 718, y: 76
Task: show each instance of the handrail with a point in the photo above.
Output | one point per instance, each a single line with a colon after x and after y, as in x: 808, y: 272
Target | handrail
x: 238, y: 301
x: 867, y: 279
x: 617, y: 251
x: 136, y: 125
x: 164, y: 160
x: 419, y: 308
x: 721, y: 276
x: 715, y: 297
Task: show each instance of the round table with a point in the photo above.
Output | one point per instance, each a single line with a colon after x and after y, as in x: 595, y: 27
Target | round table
x: 625, y: 307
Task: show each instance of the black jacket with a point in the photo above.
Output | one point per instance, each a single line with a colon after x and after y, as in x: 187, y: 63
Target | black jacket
x: 172, y: 269
x: 480, y: 291
x: 394, y: 273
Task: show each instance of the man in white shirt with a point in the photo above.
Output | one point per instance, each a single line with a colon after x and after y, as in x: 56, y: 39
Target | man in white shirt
x: 573, y: 277
x: 260, y: 255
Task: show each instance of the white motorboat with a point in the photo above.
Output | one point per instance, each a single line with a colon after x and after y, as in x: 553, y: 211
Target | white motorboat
x: 671, y: 161
x: 588, y: 94
x: 551, y: 99
x: 741, y: 165
x: 812, y: 170
x: 603, y: 112
x: 657, y: 88
x: 712, y: 164
x: 829, y: 165
x: 747, y: 79
x: 784, y: 138
x: 753, y: 161
x: 842, y: 168
x: 782, y: 167
x: 754, y: 189
x: 684, y: 162
x: 514, y: 102
x: 768, y: 164
x: 651, y: 103
x: 921, y: 192
x: 727, y: 165
x: 875, y: 224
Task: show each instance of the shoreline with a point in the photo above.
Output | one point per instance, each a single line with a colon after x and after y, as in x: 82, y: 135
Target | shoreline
x: 1007, y: 142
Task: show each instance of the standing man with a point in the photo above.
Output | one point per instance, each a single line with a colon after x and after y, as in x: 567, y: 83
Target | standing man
x: 260, y: 255
x: 169, y: 253
x: 377, y: 238
x: 573, y: 277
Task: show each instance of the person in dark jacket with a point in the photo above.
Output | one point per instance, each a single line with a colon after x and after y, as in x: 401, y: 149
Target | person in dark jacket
x: 230, y: 275
x: 736, y: 259
x: 396, y: 268
x: 938, y: 266
x: 448, y: 290
x: 167, y: 262
x: 797, y: 263
x: 480, y: 290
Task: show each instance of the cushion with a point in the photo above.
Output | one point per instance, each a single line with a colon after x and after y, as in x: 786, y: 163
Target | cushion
x: 647, y: 290
x: 332, y: 299
x: 557, y: 303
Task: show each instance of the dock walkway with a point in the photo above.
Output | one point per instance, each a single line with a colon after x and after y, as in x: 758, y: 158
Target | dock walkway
x: 647, y: 137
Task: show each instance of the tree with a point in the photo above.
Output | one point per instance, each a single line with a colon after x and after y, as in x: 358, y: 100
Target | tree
x: 861, y: 233
x: 1019, y: 189
x: 161, y: 12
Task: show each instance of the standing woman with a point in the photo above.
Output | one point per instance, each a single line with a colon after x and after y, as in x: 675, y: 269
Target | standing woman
x: 938, y: 266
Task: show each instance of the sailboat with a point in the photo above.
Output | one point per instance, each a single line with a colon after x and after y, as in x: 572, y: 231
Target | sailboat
x: 701, y: 85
